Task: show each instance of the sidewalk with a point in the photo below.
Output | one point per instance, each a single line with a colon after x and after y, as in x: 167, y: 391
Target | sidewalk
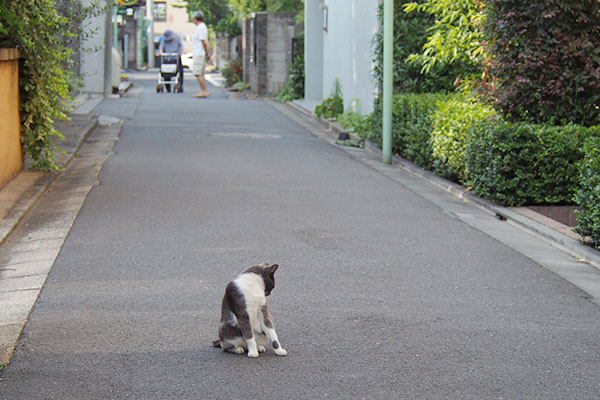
x: 31, y: 236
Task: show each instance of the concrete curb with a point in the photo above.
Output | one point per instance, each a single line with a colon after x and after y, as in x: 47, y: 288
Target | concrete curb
x: 35, y: 188
x: 565, y: 243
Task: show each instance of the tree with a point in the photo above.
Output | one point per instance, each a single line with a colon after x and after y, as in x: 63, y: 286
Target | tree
x: 546, y: 59
x: 213, y: 10
x: 456, y: 34
x: 244, y: 7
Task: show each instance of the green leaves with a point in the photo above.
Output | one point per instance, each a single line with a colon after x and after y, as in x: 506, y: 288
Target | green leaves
x: 546, y: 59
x: 521, y: 163
x: 43, y: 77
x: 333, y: 105
x: 588, y: 193
x: 454, y: 35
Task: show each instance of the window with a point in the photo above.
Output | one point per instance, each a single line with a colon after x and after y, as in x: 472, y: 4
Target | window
x: 160, y: 11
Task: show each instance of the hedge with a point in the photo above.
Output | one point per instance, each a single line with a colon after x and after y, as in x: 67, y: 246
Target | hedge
x: 513, y: 164
x: 588, y: 193
x: 432, y: 129
x: 518, y: 164
x: 452, y: 122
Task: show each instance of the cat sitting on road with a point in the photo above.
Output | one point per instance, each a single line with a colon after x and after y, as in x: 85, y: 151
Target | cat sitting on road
x: 244, y: 313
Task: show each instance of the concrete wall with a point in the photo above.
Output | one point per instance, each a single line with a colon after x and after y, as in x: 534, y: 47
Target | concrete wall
x: 313, y: 50
x: 11, y: 155
x: 267, y: 50
x: 95, y: 64
x: 345, y: 49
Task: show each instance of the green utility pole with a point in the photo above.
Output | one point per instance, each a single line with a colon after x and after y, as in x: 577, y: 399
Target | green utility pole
x: 388, y: 83
x: 115, y: 27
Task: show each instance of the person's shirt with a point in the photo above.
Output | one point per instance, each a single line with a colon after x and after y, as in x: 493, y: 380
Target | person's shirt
x: 201, y: 33
x: 171, y: 46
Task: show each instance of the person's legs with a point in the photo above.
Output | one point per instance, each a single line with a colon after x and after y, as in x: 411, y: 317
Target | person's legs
x: 199, y: 73
x: 180, y: 71
x: 202, y: 83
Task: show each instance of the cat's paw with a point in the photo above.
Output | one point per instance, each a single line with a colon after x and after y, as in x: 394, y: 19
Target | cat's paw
x: 280, y: 352
x: 238, y: 350
x: 253, y: 354
x: 261, y: 349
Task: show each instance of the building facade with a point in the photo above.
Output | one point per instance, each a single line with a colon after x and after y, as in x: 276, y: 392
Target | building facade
x: 338, y: 45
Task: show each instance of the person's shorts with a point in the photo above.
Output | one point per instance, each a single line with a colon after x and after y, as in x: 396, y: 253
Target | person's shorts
x: 199, y: 62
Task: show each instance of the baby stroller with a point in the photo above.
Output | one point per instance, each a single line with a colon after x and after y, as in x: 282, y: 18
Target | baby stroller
x: 169, y: 73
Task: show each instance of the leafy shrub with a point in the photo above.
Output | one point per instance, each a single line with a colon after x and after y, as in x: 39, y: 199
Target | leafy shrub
x: 520, y: 163
x: 294, y: 86
x: 454, y: 37
x: 46, y: 70
x: 410, y: 35
x: 452, y: 124
x: 588, y: 194
x: 546, y: 59
x: 332, y: 106
x: 353, y: 121
x: 232, y: 72
x: 411, y: 126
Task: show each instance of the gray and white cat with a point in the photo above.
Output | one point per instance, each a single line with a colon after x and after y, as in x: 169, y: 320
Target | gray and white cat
x: 245, y: 320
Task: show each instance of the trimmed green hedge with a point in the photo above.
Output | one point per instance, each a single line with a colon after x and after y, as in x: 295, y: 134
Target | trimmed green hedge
x: 452, y: 125
x: 513, y: 164
x: 432, y: 130
x: 588, y: 194
x: 518, y: 164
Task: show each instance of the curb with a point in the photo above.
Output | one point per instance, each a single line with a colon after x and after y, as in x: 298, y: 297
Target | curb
x: 32, y: 194
x: 563, y: 242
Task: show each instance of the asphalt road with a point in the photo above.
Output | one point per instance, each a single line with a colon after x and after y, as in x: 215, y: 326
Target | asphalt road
x: 380, y: 294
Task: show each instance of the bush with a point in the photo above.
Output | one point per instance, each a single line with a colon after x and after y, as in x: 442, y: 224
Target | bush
x: 332, y: 106
x: 432, y: 130
x: 546, y: 59
x: 452, y: 124
x: 353, y: 121
x: 410, y: 34
x: 232, y: 72
x: 294, y: 86
x: 588, y: 194
x: 45, y: 72
x: 518, y: 164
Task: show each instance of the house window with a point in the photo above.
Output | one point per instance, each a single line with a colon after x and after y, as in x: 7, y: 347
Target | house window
x: 160, y: 11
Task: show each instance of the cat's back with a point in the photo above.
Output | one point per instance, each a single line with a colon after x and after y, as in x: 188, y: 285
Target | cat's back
x: 252, y: 287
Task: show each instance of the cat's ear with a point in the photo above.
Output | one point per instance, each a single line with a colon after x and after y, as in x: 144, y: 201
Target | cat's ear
x: 273, y: 268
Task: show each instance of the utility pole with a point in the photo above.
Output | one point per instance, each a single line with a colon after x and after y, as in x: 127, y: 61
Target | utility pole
x: 115, y: 26
x: 150, y: 32
x: 388, y: 82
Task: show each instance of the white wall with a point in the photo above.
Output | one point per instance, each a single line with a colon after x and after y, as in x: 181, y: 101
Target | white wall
x: 95, y: 65
x: 347, y: 49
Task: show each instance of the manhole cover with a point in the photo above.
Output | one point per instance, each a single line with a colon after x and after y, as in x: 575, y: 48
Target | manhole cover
x: 248, y: 135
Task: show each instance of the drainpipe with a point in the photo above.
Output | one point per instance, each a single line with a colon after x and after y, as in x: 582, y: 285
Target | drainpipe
x: 388, y: 83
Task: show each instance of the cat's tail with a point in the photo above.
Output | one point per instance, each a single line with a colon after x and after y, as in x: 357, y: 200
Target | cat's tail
x: 216, y: 343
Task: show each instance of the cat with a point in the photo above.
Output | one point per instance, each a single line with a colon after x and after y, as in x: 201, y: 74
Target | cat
x: 245, y: 316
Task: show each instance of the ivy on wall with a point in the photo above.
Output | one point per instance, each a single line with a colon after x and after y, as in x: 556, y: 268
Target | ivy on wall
x: 32, y: 26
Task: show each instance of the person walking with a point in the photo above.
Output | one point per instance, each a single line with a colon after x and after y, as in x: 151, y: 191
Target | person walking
x: 200, y: 52
x: 172, y: 44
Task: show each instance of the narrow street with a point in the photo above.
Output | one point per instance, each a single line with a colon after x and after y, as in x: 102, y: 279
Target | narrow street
x: 388, y: 288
